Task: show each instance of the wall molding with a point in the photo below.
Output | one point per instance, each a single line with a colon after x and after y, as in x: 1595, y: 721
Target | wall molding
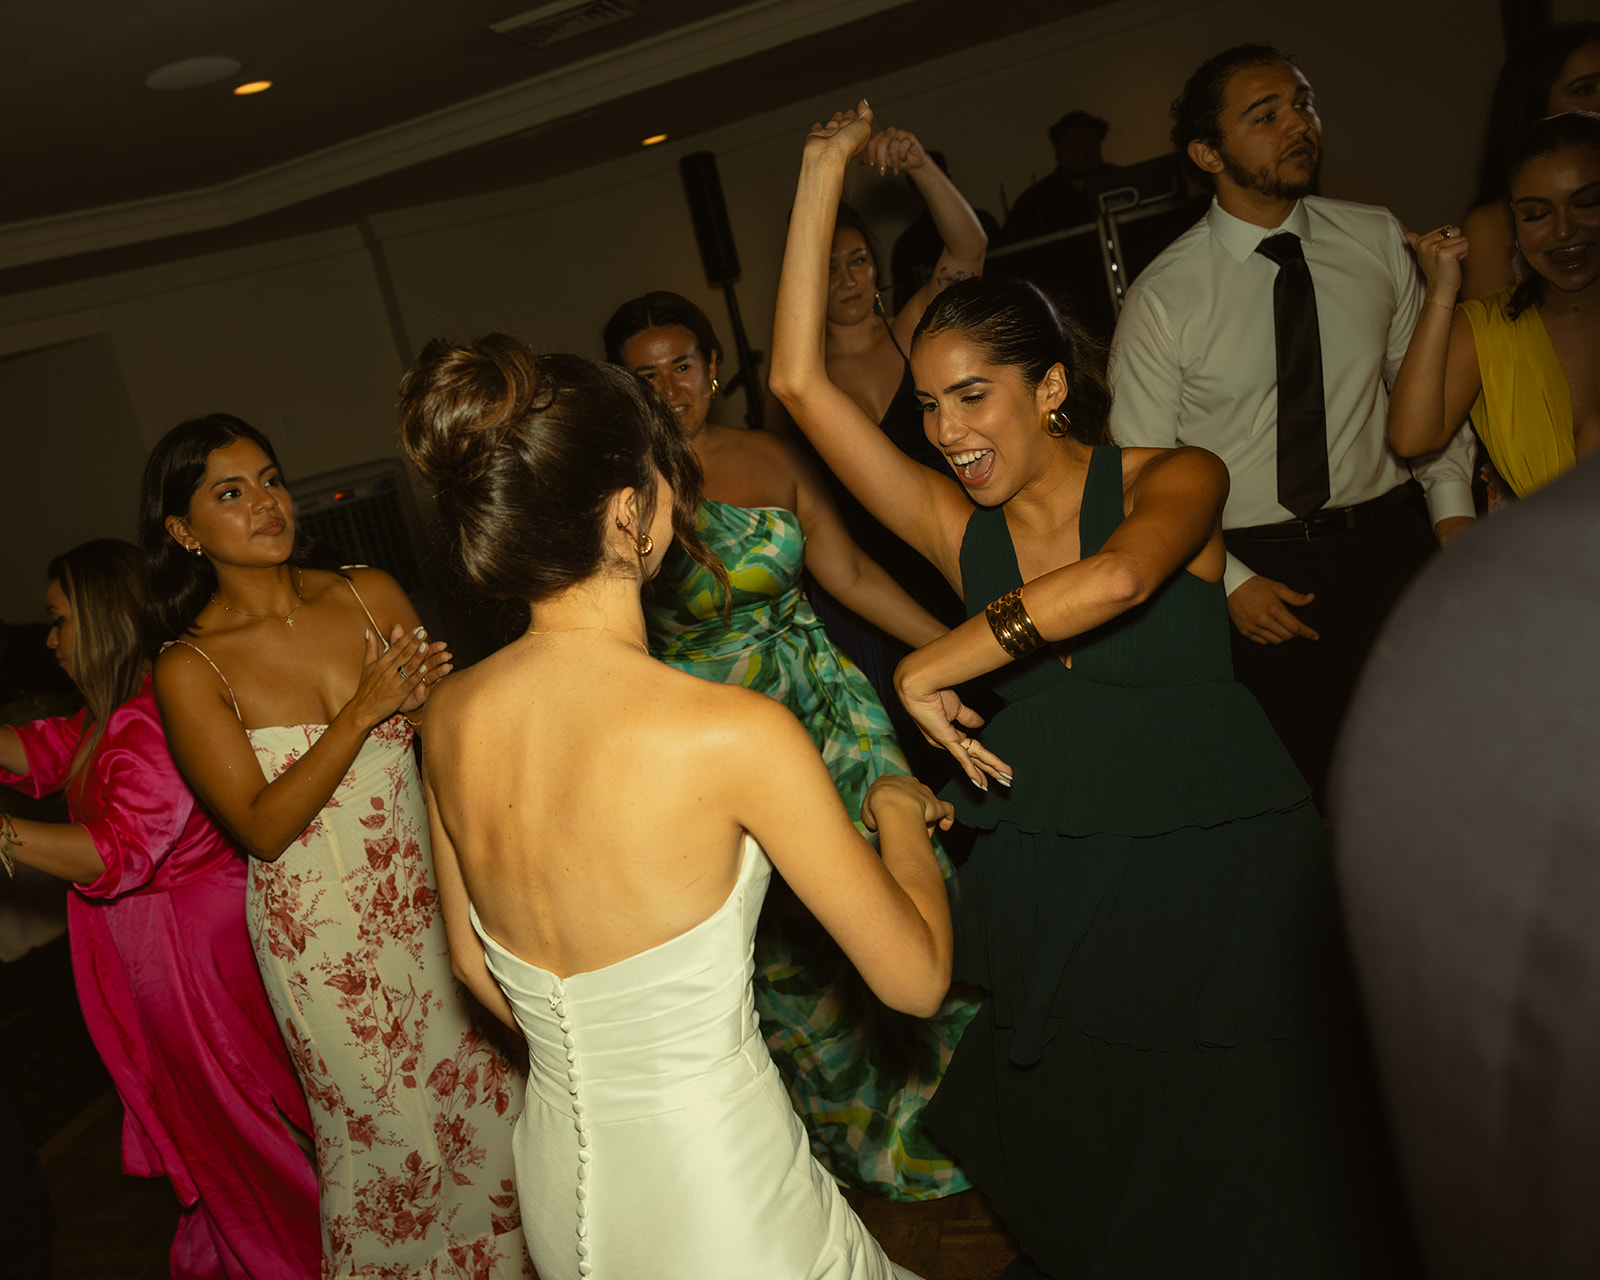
x: 38, y: 307
x: 942, y: 74
x: 541, y: 100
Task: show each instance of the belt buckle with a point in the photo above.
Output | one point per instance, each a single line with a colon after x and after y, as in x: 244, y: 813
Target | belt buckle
x: 1328, y: 524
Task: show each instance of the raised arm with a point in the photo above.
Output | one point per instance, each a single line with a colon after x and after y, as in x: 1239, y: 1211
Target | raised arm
x: 213, y: 751
x: 848, y: 573
x: 926, y: 510
x: 1174, y: 519
x: 1439, y: 378
x: 965, y: 244
x: 888, y: 910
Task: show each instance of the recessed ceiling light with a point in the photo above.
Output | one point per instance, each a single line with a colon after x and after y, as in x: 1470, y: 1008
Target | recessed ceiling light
x: 192, y: 73
x: 653, y: 139
x: 255, y: 86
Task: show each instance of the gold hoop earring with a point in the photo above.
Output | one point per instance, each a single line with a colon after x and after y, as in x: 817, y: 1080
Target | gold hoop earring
x: 1056, y: 423
x: 641, y: 546
x: 715, y: 386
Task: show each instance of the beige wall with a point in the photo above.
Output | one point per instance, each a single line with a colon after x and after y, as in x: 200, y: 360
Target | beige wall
x: 72, y: 441
x: 295, y: 337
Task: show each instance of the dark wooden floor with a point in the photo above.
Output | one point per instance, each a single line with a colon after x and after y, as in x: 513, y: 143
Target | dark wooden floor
x: 114, y: 1227
x: 109, y: 1226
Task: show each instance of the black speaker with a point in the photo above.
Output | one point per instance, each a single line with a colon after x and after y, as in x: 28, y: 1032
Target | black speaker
x: 710, y: 214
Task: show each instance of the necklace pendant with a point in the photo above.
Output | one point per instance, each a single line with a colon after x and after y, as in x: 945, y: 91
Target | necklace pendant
x: 290, y: 622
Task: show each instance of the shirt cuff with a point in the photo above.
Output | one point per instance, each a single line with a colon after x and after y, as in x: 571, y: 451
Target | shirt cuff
x: 1236, y: 574
x: 1448, y: 499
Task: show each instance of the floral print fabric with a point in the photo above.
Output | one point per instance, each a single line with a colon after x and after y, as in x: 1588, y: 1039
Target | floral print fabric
x: 858, y: 1073
x: 412, y: 1108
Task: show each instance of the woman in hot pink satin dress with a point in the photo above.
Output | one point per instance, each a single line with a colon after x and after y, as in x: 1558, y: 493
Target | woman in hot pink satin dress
x: 165, y: 972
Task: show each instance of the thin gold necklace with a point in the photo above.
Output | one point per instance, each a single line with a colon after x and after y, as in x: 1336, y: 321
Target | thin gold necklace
x: 286, y: 618
x: 644, y: 649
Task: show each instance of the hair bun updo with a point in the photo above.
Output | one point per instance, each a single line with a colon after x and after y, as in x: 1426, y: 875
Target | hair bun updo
x: 524, y: 452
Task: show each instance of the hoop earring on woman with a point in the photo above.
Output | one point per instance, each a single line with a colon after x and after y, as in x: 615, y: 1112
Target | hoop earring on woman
x: 1056, y: 423
x: 715, y: 386
x: 641, y: 546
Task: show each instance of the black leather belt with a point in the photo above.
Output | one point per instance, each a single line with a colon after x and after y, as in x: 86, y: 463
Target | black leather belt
x: 1329, y: 523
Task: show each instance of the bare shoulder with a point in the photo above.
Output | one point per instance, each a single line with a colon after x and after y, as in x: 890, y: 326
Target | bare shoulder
x: 183, y: 677
x: 730, y: 723
x: 1188, y: 465
x: 374, y: 585
x: 759, y: 448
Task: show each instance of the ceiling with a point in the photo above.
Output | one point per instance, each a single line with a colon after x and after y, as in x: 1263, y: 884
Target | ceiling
x: 380, y: 104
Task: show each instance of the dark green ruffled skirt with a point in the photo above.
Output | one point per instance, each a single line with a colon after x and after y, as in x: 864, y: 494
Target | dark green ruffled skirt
x: 1147, y: 1091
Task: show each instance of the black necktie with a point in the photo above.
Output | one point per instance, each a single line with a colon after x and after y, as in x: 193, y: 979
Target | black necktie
x: 1302, y: 417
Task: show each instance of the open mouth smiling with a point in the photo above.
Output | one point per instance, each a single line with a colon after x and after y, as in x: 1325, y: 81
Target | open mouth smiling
x: 972, y: 466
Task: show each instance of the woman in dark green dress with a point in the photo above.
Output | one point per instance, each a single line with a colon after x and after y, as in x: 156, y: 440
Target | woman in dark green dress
x: 1149, y: 903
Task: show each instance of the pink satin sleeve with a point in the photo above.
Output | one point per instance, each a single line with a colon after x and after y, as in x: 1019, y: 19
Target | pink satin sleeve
x: 134, y: 804
x: 49, y: 745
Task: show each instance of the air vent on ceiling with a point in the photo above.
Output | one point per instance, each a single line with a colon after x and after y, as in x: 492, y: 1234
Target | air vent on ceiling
x: 564, y: 20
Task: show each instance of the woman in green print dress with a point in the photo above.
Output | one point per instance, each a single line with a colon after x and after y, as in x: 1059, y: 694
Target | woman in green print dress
x: 858, y: 1073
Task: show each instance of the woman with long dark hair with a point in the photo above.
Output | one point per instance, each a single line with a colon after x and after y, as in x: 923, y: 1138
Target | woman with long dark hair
x: 1555, y: 71
x: 858, y: 1074
x: 165, y: 974
x: 1525, y: 362
x: 1148, y: 902
x: 290, y: 696
x: 610, y: 911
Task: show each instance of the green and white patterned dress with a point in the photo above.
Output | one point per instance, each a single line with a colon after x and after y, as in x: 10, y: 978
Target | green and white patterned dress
x: 859, y: 1073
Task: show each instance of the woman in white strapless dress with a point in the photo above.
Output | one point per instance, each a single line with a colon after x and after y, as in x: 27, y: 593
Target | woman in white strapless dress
x: 602, y: 827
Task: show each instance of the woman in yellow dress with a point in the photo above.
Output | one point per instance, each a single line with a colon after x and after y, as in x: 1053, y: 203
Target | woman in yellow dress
x: 1522, y: 361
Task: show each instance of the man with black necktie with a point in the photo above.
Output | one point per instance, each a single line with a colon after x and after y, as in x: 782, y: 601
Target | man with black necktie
x: 1269, y: 333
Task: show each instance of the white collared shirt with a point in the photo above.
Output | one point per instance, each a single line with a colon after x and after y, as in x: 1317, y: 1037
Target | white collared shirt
x: 1194, y: 360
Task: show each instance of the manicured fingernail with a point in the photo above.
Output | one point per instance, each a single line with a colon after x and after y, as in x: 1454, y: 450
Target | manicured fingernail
x: 423, y: 669
x: 982, y: 785
x: 421, y: 633
x: 367, y: 634
x: 1004, y: 779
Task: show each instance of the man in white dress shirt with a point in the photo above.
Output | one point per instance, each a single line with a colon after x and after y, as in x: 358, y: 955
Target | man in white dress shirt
x: 1323, y: 524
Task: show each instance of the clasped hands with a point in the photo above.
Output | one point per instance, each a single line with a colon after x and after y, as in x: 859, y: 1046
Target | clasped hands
x: 849, y: 133
x: 398, y: 679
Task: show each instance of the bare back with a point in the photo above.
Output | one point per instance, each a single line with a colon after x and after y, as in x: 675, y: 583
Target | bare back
x: 567, y: 774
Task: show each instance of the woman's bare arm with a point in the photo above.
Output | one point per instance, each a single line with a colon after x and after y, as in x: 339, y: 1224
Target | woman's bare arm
x: 889, y: 913
x: 926, y: 510
x: 1439, y: 378
x: 212, y: 750
x: 965, y: 244
x: 1488, y: 268
x: 57, y: 848
x: 466, y: 948
x: 848, y: 573
x: 1173, y: 520
x: 13, y: 759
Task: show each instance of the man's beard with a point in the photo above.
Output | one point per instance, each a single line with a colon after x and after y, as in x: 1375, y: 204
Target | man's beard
x: 1262, y: 182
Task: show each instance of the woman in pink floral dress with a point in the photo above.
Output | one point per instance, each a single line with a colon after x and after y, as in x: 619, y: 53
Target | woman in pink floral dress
x: 290, y: 701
